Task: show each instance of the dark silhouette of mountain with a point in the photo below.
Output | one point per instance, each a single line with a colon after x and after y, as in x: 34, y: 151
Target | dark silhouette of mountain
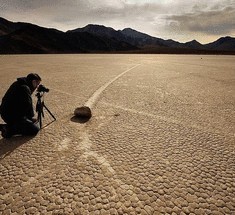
x: 19, y: 38
x: 141, y: 39
x: 194, y: 44
x: 16, y: 38
x: 146, y: 42
x: 127, y: 35
x: 223, y: 43
x: 99, y: 30
x: 108, y: 35
x: 7, y: 27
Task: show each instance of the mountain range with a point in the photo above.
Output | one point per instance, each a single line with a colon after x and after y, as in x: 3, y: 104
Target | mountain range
x: 27, y: 38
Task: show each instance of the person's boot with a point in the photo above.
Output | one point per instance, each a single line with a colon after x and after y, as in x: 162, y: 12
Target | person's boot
x: 5, y: 131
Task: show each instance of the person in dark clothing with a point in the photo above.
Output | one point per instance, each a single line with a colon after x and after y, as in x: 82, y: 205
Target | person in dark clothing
x: 17, y: 107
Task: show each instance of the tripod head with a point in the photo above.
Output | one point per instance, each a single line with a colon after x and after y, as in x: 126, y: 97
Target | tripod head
x: 40, y: 104
x: 39, y: 95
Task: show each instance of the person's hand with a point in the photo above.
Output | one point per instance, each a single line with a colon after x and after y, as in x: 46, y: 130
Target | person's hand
x: 34, y: 120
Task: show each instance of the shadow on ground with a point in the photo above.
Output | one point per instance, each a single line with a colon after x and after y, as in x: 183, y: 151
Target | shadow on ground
x: 81, y: 119
x: 7, y: 146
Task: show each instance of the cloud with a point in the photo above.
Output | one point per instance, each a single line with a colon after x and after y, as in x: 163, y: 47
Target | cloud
x: 81, y: 9
x: 116, y: 14
x: 219, y: 21
x: 176, y: 19
x: 25, y: 5
x: 49, y: 13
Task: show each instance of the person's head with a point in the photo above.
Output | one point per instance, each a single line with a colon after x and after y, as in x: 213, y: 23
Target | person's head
x: 34, y: 80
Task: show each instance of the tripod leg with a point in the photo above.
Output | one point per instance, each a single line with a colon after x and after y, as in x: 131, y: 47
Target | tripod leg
x: 39, y: 109
x: 49, y: 111
x: 40, y: 119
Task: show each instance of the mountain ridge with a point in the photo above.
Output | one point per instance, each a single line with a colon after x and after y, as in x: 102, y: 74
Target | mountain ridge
x: 20, y: 37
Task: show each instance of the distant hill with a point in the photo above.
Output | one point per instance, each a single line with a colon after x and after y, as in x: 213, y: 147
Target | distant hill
x: 223, y: 43
x: 112, y: 38
x: 145, y: 42
x: 194, y: 44
x: 21, y: 38
x: 25, y: 38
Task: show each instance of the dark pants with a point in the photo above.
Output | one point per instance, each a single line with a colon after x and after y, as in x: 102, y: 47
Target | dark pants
x: 23, y: 126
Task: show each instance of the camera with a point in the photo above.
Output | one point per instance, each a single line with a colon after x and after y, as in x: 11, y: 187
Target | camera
x: 42, y: 88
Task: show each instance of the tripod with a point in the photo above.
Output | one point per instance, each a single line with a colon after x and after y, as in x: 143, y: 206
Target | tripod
x: 39, y: 108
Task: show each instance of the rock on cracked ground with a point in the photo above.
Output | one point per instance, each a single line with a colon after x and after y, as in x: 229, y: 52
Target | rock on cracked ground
x: 160, y: 141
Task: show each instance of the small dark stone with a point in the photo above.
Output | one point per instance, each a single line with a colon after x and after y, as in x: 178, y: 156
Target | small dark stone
x: 83, y: 113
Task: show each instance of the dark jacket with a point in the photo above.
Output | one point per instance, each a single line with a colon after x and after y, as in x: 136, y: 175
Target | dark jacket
x: 17, y: 102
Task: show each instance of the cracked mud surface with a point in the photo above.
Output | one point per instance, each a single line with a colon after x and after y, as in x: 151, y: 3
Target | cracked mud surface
x: 161, y: 139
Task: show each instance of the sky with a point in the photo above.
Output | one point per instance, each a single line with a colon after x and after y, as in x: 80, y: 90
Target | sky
x: 180, y: 20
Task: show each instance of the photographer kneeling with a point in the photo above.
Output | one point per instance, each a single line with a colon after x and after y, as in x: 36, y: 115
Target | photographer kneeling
x: 17, y: 107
